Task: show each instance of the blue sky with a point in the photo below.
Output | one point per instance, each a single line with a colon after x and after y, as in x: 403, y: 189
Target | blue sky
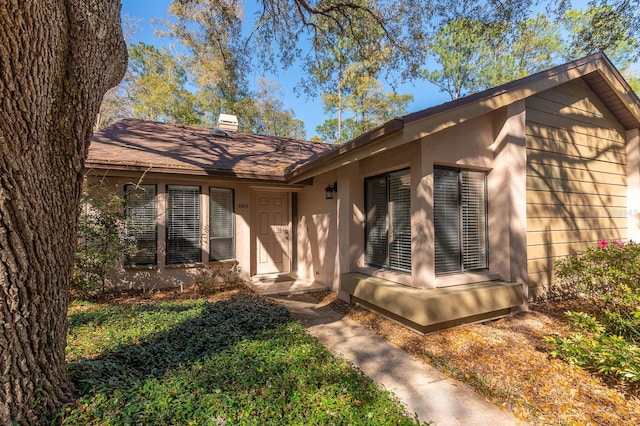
x: 309, y: 110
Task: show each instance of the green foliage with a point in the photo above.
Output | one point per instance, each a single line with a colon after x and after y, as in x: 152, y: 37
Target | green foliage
x: 210, y: 277
x: 593, y: 348
x: 603, y: 28
x: 102, y: 241
x: 605, y: 342
x: 368, y: 104
x: 474, y: 55
x: 610, y: 272
x: 270, y: 116
x: 156, y: 87
x: 475, y: 50
x: 230, y: 362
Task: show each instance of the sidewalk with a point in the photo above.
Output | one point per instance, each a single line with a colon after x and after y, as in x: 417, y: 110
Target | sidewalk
x: 424, y: 390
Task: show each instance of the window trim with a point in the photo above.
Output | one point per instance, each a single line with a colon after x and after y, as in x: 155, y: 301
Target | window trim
x: 388, y: 219
x: 233, y: 224
x: 461, y: 225
x: 127, y: 262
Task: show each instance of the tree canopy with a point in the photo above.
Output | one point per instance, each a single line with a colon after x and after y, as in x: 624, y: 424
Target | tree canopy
x: 57, y: 60
x: 345, y: 46
x: 471, y: 53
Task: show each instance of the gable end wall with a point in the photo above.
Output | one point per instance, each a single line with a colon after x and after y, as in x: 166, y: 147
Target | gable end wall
x: 576, y: 177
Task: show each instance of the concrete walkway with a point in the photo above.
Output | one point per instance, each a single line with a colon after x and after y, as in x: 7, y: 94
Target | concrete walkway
x: 424, y: 390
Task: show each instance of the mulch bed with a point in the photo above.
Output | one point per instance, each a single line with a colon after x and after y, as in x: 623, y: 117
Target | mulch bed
x: 509, y: 363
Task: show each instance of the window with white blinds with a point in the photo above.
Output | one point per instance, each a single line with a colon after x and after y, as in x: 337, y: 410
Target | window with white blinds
x: 183, y: 224
x: 221, y: 224
x: 376, y: 225
x: 388, y: 222
x: 474, y: 220
x: 460, y: 220
x: 140, y: 215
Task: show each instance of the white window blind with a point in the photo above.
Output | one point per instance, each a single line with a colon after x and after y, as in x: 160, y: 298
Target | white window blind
x: 140, y: 214
x: 474, y: 214
x: 221, y: 224
x: 388, y: 223
x: 376, y: 226
x: 183, y: 224
x: 400, y: 219
x: 460, y: 220
x: 446, y: 220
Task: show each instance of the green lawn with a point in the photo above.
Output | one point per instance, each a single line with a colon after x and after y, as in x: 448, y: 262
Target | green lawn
x: 234, y: 361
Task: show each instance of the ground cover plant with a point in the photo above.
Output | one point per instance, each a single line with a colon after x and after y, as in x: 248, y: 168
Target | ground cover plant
x: 606, y: 337
x: 230, y: 358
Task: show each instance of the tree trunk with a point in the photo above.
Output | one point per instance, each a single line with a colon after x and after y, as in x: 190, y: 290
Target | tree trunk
x: 57, y: 59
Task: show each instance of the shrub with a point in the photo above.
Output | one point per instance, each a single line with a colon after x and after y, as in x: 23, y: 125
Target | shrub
x: 210, y: 277
x: 596, y: 350
x: 610, y: 272
x: 101, y: 241
x: 605, y: 343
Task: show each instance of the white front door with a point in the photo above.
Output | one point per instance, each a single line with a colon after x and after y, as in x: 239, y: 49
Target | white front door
x: 272, y: 233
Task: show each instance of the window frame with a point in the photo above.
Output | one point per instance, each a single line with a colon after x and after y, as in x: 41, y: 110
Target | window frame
x: 231, y: 212
x: 461, y: 225
x: 127, y: 207
x: 390, y: 217
x: 177, y: 260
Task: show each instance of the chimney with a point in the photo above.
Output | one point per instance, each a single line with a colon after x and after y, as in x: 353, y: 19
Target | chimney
x: 228, y: 122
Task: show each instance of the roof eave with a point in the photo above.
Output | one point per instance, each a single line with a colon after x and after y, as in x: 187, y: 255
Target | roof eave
x: 440, y: 117
x: 141, y: 168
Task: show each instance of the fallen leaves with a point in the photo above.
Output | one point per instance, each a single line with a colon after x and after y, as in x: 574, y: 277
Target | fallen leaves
x: 508, y: 362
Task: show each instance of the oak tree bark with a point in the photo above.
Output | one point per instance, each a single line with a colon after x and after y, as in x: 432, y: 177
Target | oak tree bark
x: 57, y: 59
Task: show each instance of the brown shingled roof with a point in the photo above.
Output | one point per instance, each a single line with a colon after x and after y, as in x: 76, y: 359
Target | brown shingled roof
x: 132, y: 144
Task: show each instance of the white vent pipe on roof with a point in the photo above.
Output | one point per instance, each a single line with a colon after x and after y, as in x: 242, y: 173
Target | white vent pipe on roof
x: 228, y: 122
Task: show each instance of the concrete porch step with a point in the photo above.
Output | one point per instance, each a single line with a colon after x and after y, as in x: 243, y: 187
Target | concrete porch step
x: 272, y: 278
x: 275, y: 288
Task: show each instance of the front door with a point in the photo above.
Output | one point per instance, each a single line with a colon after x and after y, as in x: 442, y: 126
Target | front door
x: 272, y: 236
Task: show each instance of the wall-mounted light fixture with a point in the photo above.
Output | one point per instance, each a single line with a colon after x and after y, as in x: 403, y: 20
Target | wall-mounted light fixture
x: 329, y: 190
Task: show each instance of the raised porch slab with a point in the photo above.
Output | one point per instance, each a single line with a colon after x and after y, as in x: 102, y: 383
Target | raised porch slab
x: 429, y: 310
x: 277, y: 287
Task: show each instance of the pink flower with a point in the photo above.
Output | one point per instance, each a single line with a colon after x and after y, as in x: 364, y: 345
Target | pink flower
x: 603, y: 244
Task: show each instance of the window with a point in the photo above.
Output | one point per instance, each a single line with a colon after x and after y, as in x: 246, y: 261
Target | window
x: 221, y: 224
x: 183, y: 224
x: 140, y: 214
x: 388, y: 223
x: 460, y: 220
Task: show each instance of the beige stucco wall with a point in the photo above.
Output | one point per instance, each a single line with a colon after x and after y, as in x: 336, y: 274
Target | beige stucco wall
x: 331, y: 232
x: 576, y: 177
x: 162, y: 275
x: 317, y: 231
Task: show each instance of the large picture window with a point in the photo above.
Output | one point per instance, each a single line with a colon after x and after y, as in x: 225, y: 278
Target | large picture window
x: 183, y: 224
x: 388, y: 223
x: 460, y: 220
x: 221, y: 224
x: 140, y: 214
